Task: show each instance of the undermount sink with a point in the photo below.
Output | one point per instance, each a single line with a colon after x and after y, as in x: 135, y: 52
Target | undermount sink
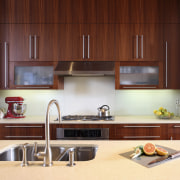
x: 81, y: 152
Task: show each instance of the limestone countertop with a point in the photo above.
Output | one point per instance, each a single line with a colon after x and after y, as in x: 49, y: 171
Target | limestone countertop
x: 107, y: 165
x: 117, y: 120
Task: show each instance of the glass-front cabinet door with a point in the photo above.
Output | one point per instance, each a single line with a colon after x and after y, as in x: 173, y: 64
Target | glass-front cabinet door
x: 33, y: 75
x: 139, y: 75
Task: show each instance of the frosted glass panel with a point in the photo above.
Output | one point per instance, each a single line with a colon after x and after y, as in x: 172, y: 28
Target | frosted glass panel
x: 139, y: 75
x: 33, y: 75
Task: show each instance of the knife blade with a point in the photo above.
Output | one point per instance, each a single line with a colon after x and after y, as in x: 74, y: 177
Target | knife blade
x: 166, y: 157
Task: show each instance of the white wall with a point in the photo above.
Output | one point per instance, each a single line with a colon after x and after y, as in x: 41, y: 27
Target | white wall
x: 83, y: 95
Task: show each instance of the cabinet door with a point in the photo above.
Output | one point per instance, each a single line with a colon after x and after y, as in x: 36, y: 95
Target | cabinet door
x: 84, y: 11
x: 171, y: 11
x: 173, y: 132
x: 104, y: 37
x: 4, y: 45
x: 4, y: 11
x: 34, y: 75
x: 150, y: 42
x: 172, y: 55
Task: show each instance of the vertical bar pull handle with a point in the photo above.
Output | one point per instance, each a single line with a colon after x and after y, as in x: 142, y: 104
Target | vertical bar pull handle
x: 35, y: 47
x: 166, y: 65
x: 88, y: 46
x: 137, y: 47
x: 141, y: 46
x: 6, y: 65
x: 30, y: 51
x: 83, y: 46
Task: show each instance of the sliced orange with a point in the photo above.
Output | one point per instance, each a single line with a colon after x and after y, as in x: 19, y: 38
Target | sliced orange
x: 161, y: 151
x: 149, y: 149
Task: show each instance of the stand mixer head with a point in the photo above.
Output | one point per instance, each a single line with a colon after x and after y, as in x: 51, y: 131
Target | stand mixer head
x: 16, y: 108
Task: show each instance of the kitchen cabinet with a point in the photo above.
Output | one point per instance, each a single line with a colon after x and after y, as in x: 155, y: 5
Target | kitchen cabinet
x: 33, y: 42
x: 138, y: 42
x: 129, y: 11
x: 4, y: 11
x: 22, y: 131
x: 171, y: 56
x: 87, y: 42
x: 173, y: 131
x: 4, y: 45
x: 171, y: 11
x: 140, y: 132
x: 139, y: 75
x: 34, y: 75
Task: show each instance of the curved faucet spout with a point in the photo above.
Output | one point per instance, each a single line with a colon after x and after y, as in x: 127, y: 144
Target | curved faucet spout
x: 47, y: 151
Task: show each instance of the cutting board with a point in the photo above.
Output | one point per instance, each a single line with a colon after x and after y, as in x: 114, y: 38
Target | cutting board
x: 144, y: 159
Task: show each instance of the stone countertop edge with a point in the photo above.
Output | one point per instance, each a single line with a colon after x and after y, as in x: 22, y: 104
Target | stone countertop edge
x: 117, y: 120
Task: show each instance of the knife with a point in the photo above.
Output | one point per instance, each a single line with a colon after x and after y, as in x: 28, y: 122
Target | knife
x: 166, y: 157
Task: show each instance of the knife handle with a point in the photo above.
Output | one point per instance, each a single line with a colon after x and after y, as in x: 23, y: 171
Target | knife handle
x: 176, y: 154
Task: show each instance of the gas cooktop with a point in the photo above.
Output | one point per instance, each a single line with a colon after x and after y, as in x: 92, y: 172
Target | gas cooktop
x: 86, y: 118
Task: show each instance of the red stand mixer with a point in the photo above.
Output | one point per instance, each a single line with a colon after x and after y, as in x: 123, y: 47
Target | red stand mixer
x: 16, y: 108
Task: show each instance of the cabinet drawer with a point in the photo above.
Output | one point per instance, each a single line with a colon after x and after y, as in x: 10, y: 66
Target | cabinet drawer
x: 23, y: 132
x: 138, y: 132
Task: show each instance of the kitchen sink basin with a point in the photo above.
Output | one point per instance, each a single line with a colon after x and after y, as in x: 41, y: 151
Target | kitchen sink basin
x: 59, y: 152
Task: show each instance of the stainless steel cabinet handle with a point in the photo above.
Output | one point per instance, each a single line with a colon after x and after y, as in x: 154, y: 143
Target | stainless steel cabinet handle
x: 23, y: 137
x: 31, y: 87
x: 166, y: 65
x: 141, y: 126
x: 23, y: 126
x: 88, y: 46
x: 83, y: 45
x: 30, y: 51
x: 176, y: 126
x: 141, y: 46
x: 137, y: 46
x: 6, y: 65
x: 35, y: 47
x: 139, y: 87
x: 136, y: 137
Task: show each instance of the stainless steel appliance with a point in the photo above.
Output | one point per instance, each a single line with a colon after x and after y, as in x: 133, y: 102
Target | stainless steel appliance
x: 87, y: 118
x: 82, y: 133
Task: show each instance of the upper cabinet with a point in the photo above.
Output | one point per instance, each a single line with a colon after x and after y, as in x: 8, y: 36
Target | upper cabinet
x: 86, y: 42
x: 138, y: 42
x: 172, y: 56
x: 85, y: 11
x: 171, y: 11
x: 33, y: 42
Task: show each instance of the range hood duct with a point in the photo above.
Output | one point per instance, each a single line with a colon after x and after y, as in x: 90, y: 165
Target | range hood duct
x: 85, y: 68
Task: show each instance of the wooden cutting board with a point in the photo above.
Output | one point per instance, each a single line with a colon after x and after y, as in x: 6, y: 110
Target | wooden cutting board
x: 144, y: 159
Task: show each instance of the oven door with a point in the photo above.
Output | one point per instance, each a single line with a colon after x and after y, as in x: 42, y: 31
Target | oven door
x: 82, y: 133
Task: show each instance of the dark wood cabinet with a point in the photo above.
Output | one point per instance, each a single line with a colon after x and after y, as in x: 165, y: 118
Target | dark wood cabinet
x: 5, y: 11
x: 33, y: 42
x: 138, y: 42
x: 34, y: 75
x: 4, y: 44
x: 22, y: 131
x: 140, y: 132
x: 171, y: 56
x: 86, y: 42
x: 173, y: 131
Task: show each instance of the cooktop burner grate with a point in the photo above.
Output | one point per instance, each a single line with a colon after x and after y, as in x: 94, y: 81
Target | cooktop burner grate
x: 86, y: 118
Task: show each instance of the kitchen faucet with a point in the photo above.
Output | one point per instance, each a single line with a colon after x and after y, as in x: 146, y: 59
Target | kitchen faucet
x: 47, y: 154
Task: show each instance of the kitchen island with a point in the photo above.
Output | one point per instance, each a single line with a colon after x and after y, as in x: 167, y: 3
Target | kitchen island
x: 108, y: 164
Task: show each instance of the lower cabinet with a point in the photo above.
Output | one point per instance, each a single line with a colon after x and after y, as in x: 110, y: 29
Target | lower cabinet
x: 140, y: 132
x: 22, y: 131
x: 174, y: 131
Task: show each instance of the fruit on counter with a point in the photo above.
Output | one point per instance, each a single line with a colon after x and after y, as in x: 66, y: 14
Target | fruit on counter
x: 163, y: 113
x: 160, y: 151
x: 149, y: 149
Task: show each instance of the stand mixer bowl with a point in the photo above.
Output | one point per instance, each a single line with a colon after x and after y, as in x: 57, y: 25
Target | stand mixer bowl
x: 19, y: 109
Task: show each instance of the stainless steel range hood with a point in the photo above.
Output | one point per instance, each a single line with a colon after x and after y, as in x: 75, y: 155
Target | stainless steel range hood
x: 85, y: 68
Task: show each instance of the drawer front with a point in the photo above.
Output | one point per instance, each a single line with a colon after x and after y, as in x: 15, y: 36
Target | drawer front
x: 23, y: 132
